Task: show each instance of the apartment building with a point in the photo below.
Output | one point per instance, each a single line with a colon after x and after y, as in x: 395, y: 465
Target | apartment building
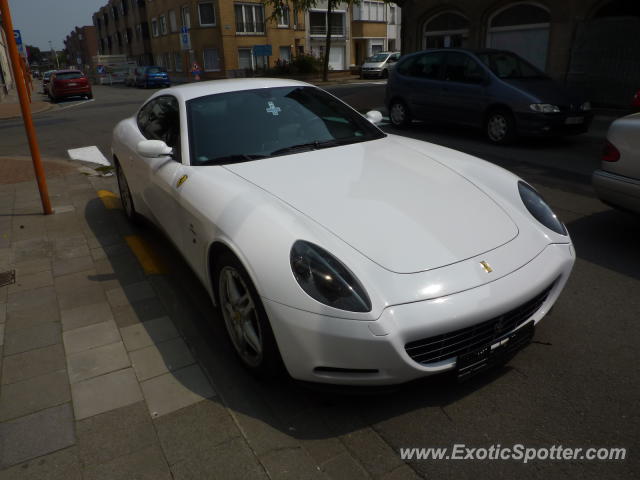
x: 122, y: 29
x: 220, y: 35
x: 81, y: 46
x: 375, y: 28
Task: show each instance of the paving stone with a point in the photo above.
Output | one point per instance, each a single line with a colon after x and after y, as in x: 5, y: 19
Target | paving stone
x: 33, y: 363
x: 104, y: 241
x: 1, y: 334
x: 130, y: 294
x: 200, y: 427
x: 262, y: 430
x: 104, y: 393
x: 25, y: 339
x: 35, y: 248
x: 145, y: 464
x: 85, y: 315
x: 229, y: 461
x: 91, y: 336
x: 173, y: 391
x: 109, y: 435
x: 35, y: 435
x: 161, y: 358
x: 31, y: 281
x: 147, y: 333
x: 344, y: 467
x: 33, y: 394
x: 403, y: 472
x: 97, y: 361
x: 60, y: 465
x: 71, y: 265
x: 375, y: 455
x: 32, y: 266
x: 316, y: 438
x: 78, y: 289
x: 3, y: 312
x: 22, y: 305
x: 138, y: 312
x: 290, y: 463
x: 70, y: 247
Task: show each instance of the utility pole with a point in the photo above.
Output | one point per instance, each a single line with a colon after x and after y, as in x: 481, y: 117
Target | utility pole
x: 54, y: 54
x: 25, y: 106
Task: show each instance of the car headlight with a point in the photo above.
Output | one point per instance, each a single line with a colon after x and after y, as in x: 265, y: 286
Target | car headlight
x: 544, y: 108
x: 539, y: 209
x: 585, y: 107
x: 324, y: 278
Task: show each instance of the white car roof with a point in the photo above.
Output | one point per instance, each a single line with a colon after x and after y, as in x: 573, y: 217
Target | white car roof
x: 200, y: 89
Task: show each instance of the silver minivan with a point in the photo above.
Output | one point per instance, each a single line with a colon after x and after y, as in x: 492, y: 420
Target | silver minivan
x: 379, y: 65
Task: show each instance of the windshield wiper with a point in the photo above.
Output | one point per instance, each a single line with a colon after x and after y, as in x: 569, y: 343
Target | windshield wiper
x: 316, y: 145
x: 233, y: 158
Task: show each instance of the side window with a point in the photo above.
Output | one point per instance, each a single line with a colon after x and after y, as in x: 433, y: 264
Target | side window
x: 143, y: 117
x: 428, y: 66
x: 462, y: 68
x: 160, y: 120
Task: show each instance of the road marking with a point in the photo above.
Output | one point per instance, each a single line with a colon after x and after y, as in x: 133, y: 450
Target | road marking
x: 110, y: 199
x: 76, y: 104
x: 90, y: 154
x: 150, y: 261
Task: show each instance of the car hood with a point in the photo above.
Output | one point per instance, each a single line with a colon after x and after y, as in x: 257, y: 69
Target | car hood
x: 399, y: 207
x: 545, y: 90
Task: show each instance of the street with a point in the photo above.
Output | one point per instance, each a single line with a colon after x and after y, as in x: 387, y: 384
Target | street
x: 576, y: 385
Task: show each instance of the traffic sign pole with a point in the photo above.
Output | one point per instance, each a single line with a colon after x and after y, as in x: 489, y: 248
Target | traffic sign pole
x: 20, y: 82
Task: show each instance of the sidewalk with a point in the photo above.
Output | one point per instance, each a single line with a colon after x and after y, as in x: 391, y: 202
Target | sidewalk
x: 105, y: 373
x: 10, y: 105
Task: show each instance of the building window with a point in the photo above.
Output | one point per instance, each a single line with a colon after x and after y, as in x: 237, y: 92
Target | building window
x: 318, y: 23
x: 244, y: 59
x: 173, y: 22
x: 163, y: 24
x: 207, y: 14
x: 154, y: 27
x: 392, y: 14
x: 284, y: 20
x: 445, y: 30
x: 370, y: 11
x: 211, y: 60
x: 285, y: 54
x: 249, y: 18
x: 177, y: 59
x: 185, y: 16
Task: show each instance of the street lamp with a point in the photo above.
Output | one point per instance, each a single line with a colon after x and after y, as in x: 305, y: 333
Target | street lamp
x: 54, y: 54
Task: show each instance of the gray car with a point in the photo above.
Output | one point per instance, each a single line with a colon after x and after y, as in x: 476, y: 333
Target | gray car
x: 379, y: 65
x: 492, y: 89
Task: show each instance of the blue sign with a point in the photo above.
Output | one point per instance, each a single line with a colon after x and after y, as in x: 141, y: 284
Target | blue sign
x: 185, y: 38
x: 262, y: 50
x: 18, y: 37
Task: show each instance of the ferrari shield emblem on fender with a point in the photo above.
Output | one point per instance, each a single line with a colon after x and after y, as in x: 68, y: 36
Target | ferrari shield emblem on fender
x: 181, y: 180
x: 487, y: 268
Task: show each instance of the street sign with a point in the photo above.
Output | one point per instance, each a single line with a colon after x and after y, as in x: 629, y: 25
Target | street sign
x: 185, y: 38
x: 262, y: 50
x: 18, y: 37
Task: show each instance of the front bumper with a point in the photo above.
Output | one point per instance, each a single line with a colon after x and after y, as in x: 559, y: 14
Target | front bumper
x: 372, y: 73
x: 553, y: 124
x: 617, y: 190
x: 324, y: 349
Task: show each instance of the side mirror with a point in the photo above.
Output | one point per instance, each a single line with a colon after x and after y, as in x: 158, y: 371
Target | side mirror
x: 154, y: 149
x: 374, y: 116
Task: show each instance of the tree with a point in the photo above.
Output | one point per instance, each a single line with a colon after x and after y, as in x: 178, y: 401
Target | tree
x: 35, y: 55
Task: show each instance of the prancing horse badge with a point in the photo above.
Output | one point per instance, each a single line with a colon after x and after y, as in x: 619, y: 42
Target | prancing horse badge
x: 487, y: 268
x: 181, y: 180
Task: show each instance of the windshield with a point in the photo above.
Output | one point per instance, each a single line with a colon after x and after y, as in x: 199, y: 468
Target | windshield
x: 509, y: 65
x: 68, y: 75
x: 155, y: 70
x: 378, y: 58
x: 251, y: 124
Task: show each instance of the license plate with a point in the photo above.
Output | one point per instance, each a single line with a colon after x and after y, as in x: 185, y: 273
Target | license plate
x: 496, y: 353
x: 574, y: 120
x: 72, y: 84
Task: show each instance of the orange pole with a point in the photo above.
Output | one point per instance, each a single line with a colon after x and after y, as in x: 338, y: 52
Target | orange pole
x: 25, y: 107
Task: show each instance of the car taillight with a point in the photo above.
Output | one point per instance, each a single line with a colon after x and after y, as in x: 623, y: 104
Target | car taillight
x: 610, y: 153
x: 636, y: 100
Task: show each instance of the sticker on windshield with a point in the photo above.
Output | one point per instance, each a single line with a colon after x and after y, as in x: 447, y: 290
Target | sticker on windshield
x: 275, y: 111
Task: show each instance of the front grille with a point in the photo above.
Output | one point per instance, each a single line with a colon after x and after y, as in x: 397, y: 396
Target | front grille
x: 451, y: 344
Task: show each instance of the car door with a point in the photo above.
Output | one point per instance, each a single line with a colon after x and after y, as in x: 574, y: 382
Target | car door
x: 463, y: 89
x: 158, y: 178
x: 423, y: 84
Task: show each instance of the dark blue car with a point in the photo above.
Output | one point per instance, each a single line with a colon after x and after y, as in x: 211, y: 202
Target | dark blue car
x: 495, y: 90
x: 152, y: 77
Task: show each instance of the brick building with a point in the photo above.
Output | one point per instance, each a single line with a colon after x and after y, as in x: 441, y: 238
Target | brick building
x: 592, y: 44
x: 81, y: 46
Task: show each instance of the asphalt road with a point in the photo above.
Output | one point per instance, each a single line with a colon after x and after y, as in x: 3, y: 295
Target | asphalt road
x: 577, y: 385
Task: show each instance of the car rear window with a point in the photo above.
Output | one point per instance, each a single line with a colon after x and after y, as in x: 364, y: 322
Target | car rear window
x: 69, y: 75
x: 154, y: 70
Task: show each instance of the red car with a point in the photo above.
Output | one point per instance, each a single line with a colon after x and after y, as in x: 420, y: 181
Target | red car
x: 635, y: 103
x: 69, y: 83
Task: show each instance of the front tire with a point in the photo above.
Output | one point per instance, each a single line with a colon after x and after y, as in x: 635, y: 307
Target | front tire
x: 125, y: 196
x: 245, y: 319
x: 500, y: 127
x: 399, y: 114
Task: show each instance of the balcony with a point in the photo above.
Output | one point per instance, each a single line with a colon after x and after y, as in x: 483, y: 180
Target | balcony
x: 318, y: 24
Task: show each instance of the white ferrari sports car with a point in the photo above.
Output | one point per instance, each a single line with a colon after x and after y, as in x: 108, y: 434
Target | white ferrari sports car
x: 344, y: 254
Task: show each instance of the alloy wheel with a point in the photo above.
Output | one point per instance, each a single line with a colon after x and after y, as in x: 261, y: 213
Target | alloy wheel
x: 497, y: 127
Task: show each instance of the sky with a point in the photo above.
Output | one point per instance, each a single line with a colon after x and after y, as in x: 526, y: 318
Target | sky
x: 42, y: 20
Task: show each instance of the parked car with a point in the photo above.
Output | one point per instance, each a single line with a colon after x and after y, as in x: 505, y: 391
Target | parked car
x: 132, y: 73
x: 617, y: 183
x: 492, y: 89
x: 349, y: 255
x: 69, y: 83
x: 46, y: 77
x: 152, y: 77
x: 635, y: 103
x: 378, y: 65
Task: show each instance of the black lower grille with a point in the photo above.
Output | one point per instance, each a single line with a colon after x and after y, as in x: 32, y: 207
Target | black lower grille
x: 451, y: 344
